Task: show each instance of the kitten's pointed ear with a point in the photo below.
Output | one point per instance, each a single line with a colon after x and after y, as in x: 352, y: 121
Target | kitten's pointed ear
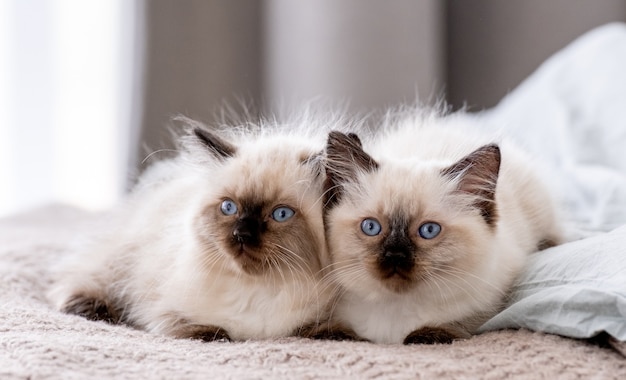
x: 201, y: 142
x: 355, y: 139
x: 217, y: 146
x: 345, y: 158
x: 477, y: 174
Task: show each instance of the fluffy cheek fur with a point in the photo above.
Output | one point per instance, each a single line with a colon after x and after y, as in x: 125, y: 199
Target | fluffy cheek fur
x: 283, y: 248
x: 439, y: 263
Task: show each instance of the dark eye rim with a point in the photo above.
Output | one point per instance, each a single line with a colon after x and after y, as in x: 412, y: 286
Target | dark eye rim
x: 283, y: 206
x: 419, y: 230
x: 380, y: 226
x: 221, y: 204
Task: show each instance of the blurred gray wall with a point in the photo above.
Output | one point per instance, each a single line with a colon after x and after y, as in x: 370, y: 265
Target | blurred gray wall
x: 372, y: 53
x: 197, y: 53
x: 492, y: 45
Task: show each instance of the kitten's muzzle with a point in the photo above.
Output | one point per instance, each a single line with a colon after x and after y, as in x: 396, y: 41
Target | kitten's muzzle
x: 248, y: 231
x: 394, y: 261
x: 397, y: 254
x: 246, y: 243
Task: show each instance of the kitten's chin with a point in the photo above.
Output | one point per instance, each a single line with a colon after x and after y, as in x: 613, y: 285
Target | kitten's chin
x: 375, y: 288
x: 397, y: 282
x: 395, y: 279
x: 250, y: 261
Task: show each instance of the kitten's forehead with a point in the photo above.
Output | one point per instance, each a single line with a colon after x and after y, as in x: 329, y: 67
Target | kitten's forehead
x: 269, y: 169
x: 405, y: 188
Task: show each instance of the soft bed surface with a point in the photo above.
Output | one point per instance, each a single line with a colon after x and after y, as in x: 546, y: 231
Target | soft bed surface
x: 37, y: 342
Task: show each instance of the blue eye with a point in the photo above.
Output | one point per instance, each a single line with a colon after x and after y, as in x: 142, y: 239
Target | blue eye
x: 429, y: 230
x: 228, y: 207
x: 370, y: 227
x: 282, y: 214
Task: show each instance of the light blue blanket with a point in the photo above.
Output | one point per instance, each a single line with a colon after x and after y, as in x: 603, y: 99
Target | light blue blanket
x: 571, y: 114
x: 576, y: 290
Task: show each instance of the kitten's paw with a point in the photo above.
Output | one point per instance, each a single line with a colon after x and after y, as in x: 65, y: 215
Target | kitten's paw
x: 327, y: 331
x: 92, y: 308
x: 205, y: 333
x: 337, y: 335
x: 432, y: 335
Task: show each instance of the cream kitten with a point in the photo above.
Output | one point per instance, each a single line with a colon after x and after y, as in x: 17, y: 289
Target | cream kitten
x: 225, y: 241
x: 428, y: 231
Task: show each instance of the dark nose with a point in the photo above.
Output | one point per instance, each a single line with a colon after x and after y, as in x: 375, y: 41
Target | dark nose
x: 242, y: 234
x: 395, y: 255
x: 247, y: 231
x: 396, y: 259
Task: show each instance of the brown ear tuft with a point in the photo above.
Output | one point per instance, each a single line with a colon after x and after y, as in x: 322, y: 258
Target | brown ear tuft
x: 477, y: 174
x: 217, y: 146
x: 344, y: 159
x: 355, y: 139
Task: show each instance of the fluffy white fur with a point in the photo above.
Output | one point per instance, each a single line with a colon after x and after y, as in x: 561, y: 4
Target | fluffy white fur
x: 166, y: 268
x: 471, y: 267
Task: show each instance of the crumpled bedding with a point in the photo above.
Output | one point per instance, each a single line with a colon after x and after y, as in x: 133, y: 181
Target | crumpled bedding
x: 571, y: 113
x: 576, y: 290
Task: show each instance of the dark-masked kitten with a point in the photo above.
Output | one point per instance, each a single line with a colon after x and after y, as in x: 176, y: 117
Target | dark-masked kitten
x: 428, y: 231
x: 225, y: 241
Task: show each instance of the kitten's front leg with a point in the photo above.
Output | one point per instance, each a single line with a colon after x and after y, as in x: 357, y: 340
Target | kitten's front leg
x: 206, y: 333
x: 433, y: 335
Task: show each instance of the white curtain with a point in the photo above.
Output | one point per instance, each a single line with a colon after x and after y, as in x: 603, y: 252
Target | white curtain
x: 66, y: 91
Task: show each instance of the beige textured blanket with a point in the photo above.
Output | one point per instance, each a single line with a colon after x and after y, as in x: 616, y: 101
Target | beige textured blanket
x: 36, y: 342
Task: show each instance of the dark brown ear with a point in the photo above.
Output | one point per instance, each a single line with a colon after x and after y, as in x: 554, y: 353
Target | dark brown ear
x: 345, y: 158
x: 355, y: 139
x: 220, y: 148
x: 477, y: 174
